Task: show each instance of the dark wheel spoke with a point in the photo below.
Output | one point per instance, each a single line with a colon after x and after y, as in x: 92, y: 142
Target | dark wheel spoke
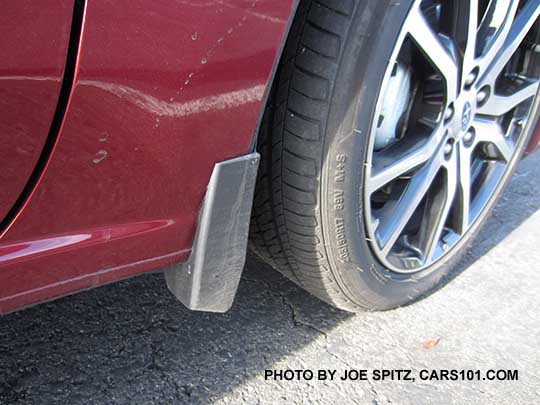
x: 516, y: 33
x: 494, y: 30
x: 398, y: 161
x: 462, y: 209
x: 437, y: 211
x: 498, y: 105
x: 490, y: 132
x: 434, y: 49
x: 397, y: 214
x: 465, y: 32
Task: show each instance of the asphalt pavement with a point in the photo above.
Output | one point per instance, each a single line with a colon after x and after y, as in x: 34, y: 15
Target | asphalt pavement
x: 132, y: 343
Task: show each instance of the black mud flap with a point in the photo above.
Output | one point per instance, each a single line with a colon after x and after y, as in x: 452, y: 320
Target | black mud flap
x: 209, y: 279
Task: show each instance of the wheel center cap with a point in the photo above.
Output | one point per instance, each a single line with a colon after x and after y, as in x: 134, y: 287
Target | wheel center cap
x: 466, y: 116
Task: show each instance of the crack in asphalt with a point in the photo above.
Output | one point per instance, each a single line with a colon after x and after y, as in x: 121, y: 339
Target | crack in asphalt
x: 299, y: 323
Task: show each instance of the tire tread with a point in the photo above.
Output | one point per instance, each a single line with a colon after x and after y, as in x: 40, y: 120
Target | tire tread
x: 286, y: 226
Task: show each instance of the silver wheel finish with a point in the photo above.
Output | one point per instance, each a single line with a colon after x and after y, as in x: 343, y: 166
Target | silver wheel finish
x: 428, y: 181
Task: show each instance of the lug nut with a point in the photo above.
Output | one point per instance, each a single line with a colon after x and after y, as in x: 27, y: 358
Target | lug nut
x: 482, y: 95
x: 449, y: 113
x: 448, y: 148
x: 469, y: 136
x: 471, y: 78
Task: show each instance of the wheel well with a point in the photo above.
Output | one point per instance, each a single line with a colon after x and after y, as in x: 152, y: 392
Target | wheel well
x: 272, y: 80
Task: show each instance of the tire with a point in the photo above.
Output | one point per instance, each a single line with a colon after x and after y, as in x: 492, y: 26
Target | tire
x: 308, y: 220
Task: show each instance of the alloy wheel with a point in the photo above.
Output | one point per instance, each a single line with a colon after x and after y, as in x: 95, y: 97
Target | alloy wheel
x: 449, y: 120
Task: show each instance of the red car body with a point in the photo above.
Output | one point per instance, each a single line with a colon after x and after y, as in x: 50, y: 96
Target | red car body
x: 113, y: 116
x: 160, y: 91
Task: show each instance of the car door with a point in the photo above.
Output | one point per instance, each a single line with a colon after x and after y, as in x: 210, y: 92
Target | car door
x: 34, y: 37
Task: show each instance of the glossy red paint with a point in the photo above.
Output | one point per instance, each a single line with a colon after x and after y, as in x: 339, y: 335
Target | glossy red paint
x: 163, y: 90
x: 29, y: 85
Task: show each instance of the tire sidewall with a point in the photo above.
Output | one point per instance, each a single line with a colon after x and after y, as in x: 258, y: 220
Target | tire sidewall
x: 363, y: 64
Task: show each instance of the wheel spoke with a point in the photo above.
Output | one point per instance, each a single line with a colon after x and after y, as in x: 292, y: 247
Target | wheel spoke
x: 499, y: 105
x: 462, y: 210
x: 494, y: 29
x: 435, y: 51
x: 395, y: 215
x: 402, y: 161
x: 437, y: 211
x: 491, y: 132
x: 491, y: 178
x: 466, y: 31
x: 517, y: 32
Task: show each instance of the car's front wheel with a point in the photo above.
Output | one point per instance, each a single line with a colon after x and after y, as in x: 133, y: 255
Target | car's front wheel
x: 392, y: 129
